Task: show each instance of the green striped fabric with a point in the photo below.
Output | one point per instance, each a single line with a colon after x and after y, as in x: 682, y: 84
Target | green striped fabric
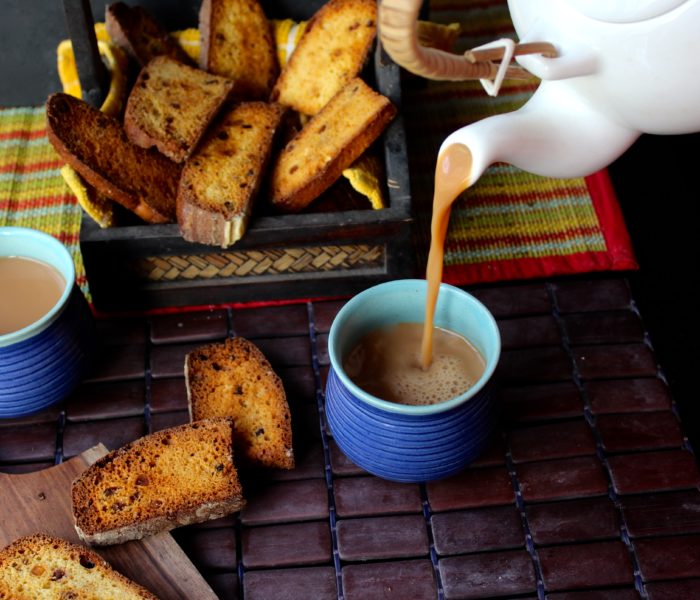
x: 32, y: 191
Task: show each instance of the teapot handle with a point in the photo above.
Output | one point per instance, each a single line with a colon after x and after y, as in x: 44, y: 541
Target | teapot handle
x: 398, y: 31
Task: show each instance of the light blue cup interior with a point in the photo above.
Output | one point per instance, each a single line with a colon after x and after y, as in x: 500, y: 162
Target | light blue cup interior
x: 404, y: 301
x: 411, y: 443
x: 30, y: 243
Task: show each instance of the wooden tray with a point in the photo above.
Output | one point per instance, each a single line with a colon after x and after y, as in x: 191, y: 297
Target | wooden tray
x: 279, y: 257
x: 40, y: 503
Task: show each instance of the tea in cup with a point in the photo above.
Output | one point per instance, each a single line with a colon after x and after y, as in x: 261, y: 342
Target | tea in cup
x: 30, y: 289
x: 386, y: 363
x: 403, y: 440
x: 47, y: 334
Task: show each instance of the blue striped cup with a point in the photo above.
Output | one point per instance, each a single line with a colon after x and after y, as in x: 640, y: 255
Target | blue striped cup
x: 401, y: 442
x: 43, y: 362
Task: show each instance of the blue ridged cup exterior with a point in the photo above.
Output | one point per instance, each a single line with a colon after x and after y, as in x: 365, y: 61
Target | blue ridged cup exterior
x: 411, y: 443
x: 41, y: 364
x: 42, y: 370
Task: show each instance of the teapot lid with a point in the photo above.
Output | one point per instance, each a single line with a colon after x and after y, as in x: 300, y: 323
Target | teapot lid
x: 624, y: 11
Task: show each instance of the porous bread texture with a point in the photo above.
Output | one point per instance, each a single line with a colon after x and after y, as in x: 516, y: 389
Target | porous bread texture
x: 96, y: 146
x: 329, y: 143
x: 221, y: 180
x: 134, y: 29
x: 170, y: 478
x: 43, y: 567
x: 171, y: 105
x: 237, y: 42
x: 330, y: 53
x: 235, y: 379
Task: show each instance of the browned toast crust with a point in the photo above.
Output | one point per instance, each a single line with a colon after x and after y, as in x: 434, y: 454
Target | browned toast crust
x: 235, y: 379
x: 330, y: 53
x: 237, y: 42
x: 171, y: 105
x: 134, y: 29
x: 329, y: 143
x: 170, y: 478
x: 221, y: 180
x: 96, y: 146
x: 43, y: 566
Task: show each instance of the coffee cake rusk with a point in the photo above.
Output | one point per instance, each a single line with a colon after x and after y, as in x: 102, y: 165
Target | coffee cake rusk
x: 330, y: 53
x: 329, y: 143
x: 235, y: 379
x: 43, y: 567
x: 170, y: 478
x: 171, y: 105
x: 96, y: 146
x: 134, y: 29
x: 237, y: 42
x: 220, y: 181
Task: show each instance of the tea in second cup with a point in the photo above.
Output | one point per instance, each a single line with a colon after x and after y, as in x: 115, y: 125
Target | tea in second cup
x: 47, y: 334
x: 407, y: 441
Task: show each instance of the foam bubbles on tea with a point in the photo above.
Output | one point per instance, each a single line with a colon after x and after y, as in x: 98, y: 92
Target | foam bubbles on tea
x: 386, y: 363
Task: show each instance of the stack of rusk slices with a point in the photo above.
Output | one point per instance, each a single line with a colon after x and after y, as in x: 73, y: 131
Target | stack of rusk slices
x: 201, y: 144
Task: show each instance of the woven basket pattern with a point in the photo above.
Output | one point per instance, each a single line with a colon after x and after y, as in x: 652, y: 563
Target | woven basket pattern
x: 255, y: 263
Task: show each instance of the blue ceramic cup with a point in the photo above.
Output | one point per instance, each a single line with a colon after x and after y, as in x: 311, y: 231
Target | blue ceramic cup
x: 402, y: 442
x: 43, y: 362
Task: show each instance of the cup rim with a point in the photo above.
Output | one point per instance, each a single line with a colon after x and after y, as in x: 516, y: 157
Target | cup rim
x: 19, y: 335
x: 407, y: 409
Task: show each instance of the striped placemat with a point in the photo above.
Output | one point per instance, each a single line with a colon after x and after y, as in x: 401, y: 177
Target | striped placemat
x: 32, y: 191
x: 511, y: 224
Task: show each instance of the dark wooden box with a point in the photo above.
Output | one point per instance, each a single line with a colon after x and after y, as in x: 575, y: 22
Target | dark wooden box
x: 279, y: 257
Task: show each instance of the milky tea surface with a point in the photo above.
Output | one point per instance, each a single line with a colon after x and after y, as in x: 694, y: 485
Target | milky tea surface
x: 28, y: 290
x: 387, y: 364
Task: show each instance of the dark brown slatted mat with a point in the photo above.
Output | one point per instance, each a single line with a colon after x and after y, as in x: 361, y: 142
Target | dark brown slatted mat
x: 589, y: 489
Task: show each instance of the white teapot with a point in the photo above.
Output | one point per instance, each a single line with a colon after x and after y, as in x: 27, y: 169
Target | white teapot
x: 622, y: 68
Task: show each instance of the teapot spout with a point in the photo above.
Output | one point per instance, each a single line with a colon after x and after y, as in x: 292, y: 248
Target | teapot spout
x: 554, y: 134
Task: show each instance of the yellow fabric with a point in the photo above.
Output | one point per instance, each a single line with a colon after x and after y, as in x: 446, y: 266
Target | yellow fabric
x: 101, y: 209
x: 190, y: 42
x: 115, y: 60
x: 287, y: 34
x: 365, y: 176
x: 98, y: 207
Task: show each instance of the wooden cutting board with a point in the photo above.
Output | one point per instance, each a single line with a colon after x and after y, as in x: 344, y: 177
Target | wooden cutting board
x: 40, y: 502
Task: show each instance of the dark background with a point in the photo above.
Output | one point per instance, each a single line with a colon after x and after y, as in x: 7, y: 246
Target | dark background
x: 654, y: 181
x: 655, y: 184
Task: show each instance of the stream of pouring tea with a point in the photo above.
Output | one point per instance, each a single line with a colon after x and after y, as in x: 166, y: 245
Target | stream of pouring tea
x: 451, y: 179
